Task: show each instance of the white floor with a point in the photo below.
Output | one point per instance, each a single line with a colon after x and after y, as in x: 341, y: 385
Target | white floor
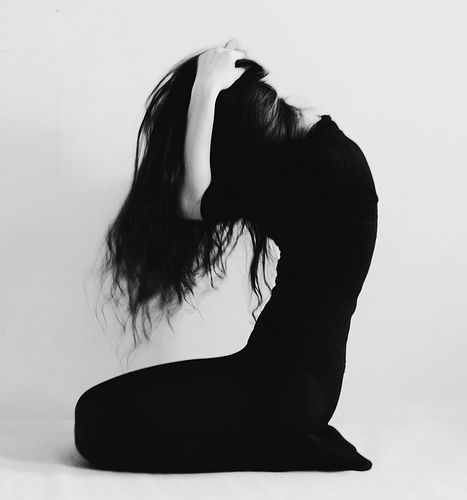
x: 411, y: 460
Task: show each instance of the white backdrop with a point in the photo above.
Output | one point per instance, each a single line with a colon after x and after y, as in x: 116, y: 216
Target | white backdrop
x: 74, y: 78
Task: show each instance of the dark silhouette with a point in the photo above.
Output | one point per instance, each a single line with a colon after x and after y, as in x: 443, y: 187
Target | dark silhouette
x: 266, y: 407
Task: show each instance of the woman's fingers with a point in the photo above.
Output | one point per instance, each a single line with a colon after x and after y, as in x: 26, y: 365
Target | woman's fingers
x: 216, y: 67
x: 233, y: 44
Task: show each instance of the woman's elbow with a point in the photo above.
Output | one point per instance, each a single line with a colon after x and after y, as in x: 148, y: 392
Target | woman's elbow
x: 188, y: 208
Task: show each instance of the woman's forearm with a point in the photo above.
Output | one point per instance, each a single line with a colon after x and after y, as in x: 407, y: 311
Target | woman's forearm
x: 197, y: 175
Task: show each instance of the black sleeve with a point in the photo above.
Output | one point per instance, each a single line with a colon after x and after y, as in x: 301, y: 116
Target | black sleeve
x: 224, y: 201
x: 245, y: 194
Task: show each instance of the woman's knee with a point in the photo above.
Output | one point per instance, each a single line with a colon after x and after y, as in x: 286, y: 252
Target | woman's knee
x: 93, y: 422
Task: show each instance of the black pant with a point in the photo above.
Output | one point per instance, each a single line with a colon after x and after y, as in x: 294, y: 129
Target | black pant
x: 234, y: 412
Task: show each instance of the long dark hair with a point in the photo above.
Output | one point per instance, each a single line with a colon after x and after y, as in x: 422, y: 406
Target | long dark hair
x: 153, y: 256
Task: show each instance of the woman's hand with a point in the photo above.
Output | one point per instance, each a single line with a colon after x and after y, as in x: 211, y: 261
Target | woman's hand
x: 216, y: 67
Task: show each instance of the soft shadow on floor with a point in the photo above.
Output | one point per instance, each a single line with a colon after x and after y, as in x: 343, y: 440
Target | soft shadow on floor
x: 39, y: 442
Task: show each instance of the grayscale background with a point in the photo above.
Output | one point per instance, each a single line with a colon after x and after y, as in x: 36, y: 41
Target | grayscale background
x: 74, y: 77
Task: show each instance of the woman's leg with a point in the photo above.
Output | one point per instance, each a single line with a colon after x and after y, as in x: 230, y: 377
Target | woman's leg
x: 324, y: 450
x: 227, y: 413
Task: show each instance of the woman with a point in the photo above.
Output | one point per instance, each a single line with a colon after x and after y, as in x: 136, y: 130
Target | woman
x: 222, y: 151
